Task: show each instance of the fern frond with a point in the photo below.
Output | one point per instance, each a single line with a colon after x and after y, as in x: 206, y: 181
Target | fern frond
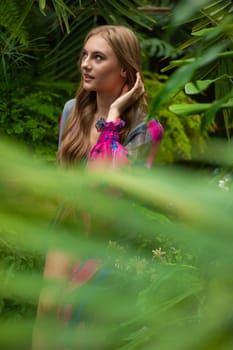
x: 10, y: 13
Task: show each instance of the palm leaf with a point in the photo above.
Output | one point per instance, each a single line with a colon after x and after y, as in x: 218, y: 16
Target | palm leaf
x: 61, y: 60
x: 181, y: 77
x: 182, y: 109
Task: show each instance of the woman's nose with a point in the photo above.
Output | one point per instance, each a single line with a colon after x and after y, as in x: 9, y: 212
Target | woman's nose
x: 85, y: 62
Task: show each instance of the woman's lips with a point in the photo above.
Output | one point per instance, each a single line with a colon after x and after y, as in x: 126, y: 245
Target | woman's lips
x: 87, y: 77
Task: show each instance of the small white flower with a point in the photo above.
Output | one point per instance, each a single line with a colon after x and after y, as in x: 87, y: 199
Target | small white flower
x: 158, y: 253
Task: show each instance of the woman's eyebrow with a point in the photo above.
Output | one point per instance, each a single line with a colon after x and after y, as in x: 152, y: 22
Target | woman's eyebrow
x: 93, y: 52
x: 97, y: 52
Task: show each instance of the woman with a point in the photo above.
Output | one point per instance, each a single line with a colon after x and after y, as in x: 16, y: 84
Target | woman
x: 103, y: 126
x: 111, y: 99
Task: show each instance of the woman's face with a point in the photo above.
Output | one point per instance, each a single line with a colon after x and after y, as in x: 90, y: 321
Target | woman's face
x: 101, y: 70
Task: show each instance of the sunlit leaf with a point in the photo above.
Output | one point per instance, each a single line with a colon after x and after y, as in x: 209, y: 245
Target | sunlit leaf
x: 182, y: 75
x: 201, y: 85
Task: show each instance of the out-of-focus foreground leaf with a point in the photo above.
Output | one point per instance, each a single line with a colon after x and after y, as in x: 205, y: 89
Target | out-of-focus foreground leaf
x: 164, y: 238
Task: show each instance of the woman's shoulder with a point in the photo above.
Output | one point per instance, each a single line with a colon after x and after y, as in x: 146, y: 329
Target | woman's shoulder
x: 67, y: 109
x: 68, y: 106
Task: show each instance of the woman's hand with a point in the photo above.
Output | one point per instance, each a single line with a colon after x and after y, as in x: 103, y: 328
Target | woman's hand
x: 126, y: 99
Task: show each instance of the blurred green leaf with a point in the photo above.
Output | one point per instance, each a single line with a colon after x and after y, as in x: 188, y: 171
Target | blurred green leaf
x: 166, y: 242
x: 182, y: 75
x: 201, y: 85
x: 182, y: 109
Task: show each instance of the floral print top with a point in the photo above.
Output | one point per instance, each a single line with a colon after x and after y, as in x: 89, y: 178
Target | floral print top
x: 140, y: 146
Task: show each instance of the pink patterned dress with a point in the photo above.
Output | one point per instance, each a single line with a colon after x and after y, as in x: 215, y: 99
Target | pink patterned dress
x: 139, y: 148
x: 108, y: 147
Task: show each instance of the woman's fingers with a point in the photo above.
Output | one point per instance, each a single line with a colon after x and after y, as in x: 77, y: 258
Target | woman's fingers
x: 127, y: 98
x: 135, y: 93
x: 125, y: 89
x: 138, y: 89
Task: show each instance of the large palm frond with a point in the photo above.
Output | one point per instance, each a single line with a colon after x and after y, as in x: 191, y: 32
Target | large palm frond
x: 61, y: 60
x: 212, y: 28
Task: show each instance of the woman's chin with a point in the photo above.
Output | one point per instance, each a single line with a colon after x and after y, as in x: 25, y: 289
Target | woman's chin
x: 88, y: 87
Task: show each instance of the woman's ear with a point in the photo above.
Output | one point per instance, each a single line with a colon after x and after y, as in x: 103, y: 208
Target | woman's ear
x: 123, y: 73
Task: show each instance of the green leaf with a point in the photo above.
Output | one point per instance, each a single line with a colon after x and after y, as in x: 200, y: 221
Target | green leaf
x: 181, y: 76
x: 197, y: 108
x: 198, y: 86
x: 182, y: 109
x: 209, y: 115
x: 42, y: 4
x: 185, y: 9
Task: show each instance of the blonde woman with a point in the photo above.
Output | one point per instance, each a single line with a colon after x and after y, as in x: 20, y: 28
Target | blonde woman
x: 103, y: 125
x: 106, y: 120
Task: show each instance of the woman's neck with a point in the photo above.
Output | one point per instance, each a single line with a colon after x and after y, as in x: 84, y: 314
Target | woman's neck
x: 104, y: 102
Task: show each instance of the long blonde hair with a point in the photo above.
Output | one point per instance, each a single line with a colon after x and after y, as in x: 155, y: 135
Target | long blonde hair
x: 75, y: 144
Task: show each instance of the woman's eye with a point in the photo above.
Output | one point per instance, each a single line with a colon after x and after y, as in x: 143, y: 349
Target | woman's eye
x: 98, y: 58
x: 84, y: 54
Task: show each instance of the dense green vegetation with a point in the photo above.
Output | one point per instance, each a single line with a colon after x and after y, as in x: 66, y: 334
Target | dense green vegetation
x: 167, y: 240
x: 40, y: 48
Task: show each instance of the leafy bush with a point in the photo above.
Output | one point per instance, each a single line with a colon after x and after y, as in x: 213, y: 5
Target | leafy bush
x: 30, y: 113
x: 181, y: 132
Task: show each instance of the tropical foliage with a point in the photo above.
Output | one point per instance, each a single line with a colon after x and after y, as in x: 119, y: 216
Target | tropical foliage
x: 39, y: 50
x: 166, y: 243
x: 164, y: 236
x: 208, y: 62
